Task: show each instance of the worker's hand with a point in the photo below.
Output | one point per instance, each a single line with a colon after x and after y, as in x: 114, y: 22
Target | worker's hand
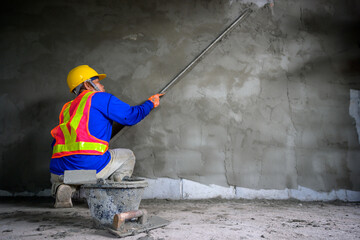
x: 155, y: 99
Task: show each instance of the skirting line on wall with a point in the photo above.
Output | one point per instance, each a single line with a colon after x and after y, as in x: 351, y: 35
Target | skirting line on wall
x: 176, y: 189
x: 165, y: 188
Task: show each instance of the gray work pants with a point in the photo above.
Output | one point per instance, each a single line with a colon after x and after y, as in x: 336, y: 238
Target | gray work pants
x: 121, y: 164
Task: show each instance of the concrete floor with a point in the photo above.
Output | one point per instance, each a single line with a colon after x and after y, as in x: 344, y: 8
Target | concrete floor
x: 35, y: 218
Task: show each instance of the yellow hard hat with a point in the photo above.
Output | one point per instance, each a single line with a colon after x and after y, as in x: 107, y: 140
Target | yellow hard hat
x: 80, y: 74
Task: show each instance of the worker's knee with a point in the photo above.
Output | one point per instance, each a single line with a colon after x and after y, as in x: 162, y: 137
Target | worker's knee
x: 129, y: 154
x: 131, y: 158
x: 122, y: 155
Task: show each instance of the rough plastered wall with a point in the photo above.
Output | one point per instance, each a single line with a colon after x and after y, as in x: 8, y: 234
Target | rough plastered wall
x: 268, y: 108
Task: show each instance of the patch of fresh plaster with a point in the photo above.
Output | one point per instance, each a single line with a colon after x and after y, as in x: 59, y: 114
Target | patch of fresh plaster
x: 351, y: 196
x: 246, y: 193
x: 307, y: 194
x: 194, y: 190
x: 163, y: 188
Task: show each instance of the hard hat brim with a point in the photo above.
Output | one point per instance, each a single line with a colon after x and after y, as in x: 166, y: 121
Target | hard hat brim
x: 102, y: 76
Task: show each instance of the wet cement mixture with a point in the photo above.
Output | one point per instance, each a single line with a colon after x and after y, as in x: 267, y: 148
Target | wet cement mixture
x: 202, y: 219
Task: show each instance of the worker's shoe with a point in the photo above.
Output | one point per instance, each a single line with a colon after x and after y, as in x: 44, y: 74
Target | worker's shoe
x: 63, y: 197
x: 116, y: 177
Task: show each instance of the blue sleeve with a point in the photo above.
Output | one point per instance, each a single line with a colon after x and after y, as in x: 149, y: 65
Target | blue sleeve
x: 125, y: 114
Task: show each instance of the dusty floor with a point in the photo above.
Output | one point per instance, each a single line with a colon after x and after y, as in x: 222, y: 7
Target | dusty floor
x: 206, y: 219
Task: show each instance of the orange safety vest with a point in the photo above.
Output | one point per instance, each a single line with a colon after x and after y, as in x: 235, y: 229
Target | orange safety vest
x: 72, y: 135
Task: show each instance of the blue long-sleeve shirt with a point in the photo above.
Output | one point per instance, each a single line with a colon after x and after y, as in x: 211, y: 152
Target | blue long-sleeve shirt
x: 105, y: 108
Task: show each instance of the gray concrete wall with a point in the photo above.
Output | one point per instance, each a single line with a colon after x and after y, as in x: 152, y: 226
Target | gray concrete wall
x: 267, y: 109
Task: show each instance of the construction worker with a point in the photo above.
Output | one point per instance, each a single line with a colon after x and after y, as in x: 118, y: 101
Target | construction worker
x: 82, y: 137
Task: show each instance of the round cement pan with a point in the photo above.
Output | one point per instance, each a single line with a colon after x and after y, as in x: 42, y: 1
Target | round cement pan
x: 107, y: 198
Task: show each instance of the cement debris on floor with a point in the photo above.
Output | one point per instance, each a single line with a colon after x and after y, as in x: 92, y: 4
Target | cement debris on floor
x: 35, y: 218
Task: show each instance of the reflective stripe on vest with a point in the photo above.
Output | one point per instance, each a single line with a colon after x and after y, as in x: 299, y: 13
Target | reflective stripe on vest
x: 78, y: 140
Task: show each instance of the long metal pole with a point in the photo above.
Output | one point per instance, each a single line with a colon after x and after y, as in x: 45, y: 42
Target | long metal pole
x: 243, y: 15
